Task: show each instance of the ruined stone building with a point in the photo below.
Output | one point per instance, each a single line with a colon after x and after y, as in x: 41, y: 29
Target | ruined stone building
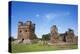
x: 26, y: 30
x: 54, y: 34
x: 68, y: 36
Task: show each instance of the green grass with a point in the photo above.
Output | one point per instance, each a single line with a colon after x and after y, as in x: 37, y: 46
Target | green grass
x: 37, y: 47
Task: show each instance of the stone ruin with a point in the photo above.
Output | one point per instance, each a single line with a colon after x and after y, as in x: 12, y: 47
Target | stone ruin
x: 26, y: 32
x: 54, y: 34
x: 67, y: 37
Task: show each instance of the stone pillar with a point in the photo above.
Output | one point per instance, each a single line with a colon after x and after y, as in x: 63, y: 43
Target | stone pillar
x: 70, y: 36
x: 54, y: 34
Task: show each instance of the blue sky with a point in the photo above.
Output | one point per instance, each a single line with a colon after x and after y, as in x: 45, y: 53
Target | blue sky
x: 44, y: 16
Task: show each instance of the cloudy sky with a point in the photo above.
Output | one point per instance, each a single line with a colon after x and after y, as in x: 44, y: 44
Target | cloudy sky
x: 44, y: 16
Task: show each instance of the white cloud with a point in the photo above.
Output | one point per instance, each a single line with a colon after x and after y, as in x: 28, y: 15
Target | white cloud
x: 51, y: 16
x: 37, y: 15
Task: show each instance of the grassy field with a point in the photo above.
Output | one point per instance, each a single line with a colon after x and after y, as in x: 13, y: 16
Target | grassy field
x: 37, y: 47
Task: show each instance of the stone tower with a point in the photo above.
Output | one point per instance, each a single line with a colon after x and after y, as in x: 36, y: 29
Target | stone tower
x: 70, y: 36
x: 54, y: 34
x: 26, y: 30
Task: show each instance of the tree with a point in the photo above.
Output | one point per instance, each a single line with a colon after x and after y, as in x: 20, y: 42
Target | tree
x: 46, y: 37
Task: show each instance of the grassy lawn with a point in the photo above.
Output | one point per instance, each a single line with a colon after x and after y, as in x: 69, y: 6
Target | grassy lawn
x: 37, y: 47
